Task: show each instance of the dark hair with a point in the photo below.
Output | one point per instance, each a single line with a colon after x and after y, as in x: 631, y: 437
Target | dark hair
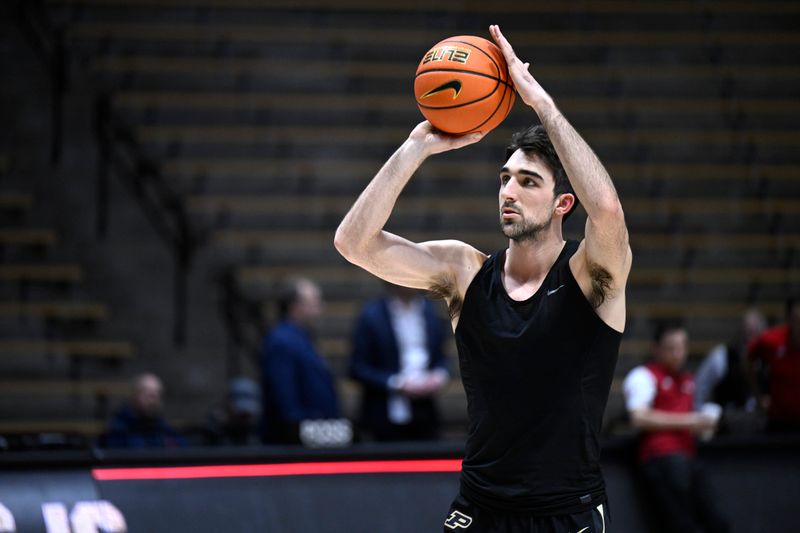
x: 288, y: 294
x: 533, y: 140
x: 666, y: 326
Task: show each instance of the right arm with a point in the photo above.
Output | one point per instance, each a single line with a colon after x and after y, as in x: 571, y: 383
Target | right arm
x: 640, y: 391
x: 362, y: 240
x: 710, y: 373
x: 647, y: 419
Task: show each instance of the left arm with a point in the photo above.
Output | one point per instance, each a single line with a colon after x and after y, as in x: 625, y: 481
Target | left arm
x: 603, y: 261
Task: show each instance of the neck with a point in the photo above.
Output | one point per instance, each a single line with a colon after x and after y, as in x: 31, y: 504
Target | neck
x: 532, y: 259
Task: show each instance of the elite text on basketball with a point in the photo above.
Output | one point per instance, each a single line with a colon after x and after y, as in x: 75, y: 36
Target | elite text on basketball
x: 447, y: 53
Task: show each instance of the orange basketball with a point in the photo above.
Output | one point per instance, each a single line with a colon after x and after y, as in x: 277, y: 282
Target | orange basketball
x: 462, y: 85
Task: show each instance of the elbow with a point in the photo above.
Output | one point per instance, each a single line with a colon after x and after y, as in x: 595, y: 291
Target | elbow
x: 609, y: 214
x: 611, y: 209
x: 348, y: 245
x: 637, y: 420
x: 344, y: 243
x: 341, y: 242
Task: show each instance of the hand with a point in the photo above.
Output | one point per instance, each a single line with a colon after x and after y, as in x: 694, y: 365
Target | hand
x: 424, y: 385
x: 527, y: 87
x: 434, y: 141
x: 704, y: 423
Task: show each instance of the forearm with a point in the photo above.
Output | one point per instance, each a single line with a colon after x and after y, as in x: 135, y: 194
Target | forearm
x: 587, y: 175
x: 657, y: 420
x: 371, y: 211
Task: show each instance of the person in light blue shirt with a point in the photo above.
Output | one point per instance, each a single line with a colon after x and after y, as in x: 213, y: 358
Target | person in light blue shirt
x: 297, y: 382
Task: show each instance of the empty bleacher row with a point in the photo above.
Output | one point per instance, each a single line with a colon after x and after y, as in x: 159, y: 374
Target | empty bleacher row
x: 60, y: 374
x: 269, y: 117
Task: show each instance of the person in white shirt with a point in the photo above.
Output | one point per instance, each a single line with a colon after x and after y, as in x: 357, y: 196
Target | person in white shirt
x: 722, y: 377
x: 398, y: 359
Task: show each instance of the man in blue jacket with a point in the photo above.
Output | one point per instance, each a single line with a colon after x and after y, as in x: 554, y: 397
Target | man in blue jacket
x: 297, y: 383
x: 398, y: 359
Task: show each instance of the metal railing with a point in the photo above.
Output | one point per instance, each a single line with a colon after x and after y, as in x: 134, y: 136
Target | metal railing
x: 120, y: 154
x: 47, y: 41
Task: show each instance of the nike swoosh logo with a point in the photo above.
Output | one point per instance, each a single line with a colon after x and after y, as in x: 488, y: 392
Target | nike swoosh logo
x: 549, y: 293
x: 455, y: 85
x: 587, y: 527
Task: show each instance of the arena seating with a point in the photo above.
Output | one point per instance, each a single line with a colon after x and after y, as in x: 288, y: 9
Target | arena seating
x: 269, y: 117
x: 59, y: 373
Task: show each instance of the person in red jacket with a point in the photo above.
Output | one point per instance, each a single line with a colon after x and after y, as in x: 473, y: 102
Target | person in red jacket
x: 777, y: 352
x: 659, y: 397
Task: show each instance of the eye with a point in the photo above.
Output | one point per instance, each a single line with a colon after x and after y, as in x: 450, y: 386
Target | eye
x: 529, y: 182
x: 504, y: 178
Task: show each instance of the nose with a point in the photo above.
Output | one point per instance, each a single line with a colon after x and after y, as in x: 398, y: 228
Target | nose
x: 509, y: 191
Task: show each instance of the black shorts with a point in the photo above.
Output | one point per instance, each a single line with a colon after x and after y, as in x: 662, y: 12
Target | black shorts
x: 466, y: 517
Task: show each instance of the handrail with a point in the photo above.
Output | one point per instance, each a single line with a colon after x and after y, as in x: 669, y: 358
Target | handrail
x: 47, y: 42
x: 245, y: 322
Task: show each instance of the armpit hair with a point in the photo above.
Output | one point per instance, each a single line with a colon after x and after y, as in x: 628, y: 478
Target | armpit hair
x: 601, y: 285
x: 444, y: 289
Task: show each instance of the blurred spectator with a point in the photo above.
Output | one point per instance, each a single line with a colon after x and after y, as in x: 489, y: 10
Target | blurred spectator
x: 659, y: 397
x: 722, y: 378
x: 139, y: 423
x: 777, y: 351
x: 236, y: 422
x: 297, y: 384
x: 398, y: 359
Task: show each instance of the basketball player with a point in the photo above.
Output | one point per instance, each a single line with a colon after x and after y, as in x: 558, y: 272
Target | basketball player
x: 537, y: 325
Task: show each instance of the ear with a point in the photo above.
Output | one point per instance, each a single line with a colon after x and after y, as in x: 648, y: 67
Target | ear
x: 564, y: 203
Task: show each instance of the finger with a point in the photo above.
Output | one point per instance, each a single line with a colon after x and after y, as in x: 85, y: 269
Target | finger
x: 465, y: 140
x: 501, y: 41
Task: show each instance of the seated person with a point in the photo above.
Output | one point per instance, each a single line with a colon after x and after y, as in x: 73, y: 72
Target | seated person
x: 139, y: 423
x: 236, y: 421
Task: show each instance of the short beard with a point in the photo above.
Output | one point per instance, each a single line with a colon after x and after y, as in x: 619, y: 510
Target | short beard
x: 524, y: 231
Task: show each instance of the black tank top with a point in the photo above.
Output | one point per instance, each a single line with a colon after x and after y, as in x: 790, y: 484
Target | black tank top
x: 536, y: 375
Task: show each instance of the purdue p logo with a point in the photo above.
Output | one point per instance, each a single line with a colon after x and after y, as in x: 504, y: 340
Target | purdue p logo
x: 458, y: 519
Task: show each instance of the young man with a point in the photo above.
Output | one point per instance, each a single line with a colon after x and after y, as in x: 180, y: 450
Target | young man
x: 659, y: 397
x: 537, y: 325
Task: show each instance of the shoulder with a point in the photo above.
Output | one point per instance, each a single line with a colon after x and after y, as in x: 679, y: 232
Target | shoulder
x: 770, y: 339
x: 641, y: 374
x: 718, y: 355
x: 602, y: 286
x: 452, y: 286
x: 639, y: 388
x: 776, y: 335
x: 284, y: 336
x: 373, y: 308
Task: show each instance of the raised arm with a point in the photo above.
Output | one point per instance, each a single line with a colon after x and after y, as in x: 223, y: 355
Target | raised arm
x: 605, y: 252
x: 361, y: 239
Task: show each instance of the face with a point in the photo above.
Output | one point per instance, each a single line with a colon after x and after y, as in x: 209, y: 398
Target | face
x: 308, y: 307
x: 672, y: 349
x: 753, y: 324
x: 147, y: 395
x: 527, y: 201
